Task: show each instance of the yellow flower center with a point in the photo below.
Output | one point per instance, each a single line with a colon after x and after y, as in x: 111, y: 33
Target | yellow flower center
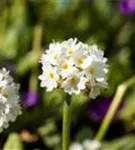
x: 4, y: 93
x: 51, y: 75
x: 80, y: 60
x: 56, y: 56
x: 70, y: 51
x: 72, y: 80
x: 64, y: 66
x: 92, y: 70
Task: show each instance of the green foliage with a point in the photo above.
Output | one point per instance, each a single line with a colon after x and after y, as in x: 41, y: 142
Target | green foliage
x: 50, y: 135
x: 85, y: 133
x: 124, y: 143
x: 13, y: 142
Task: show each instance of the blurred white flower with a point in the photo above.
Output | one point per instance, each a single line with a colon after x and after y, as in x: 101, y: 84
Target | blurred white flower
x: 86, y: 145
x: 95, y: 91
x: 75, y: 67
x: 9, y: 99
x: 76, y: 146
x: 91, y: 145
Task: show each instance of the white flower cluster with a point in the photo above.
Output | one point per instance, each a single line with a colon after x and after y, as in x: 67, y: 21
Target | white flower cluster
x: 9, y: 99
x: 75, y: 67
x: 86, y: 145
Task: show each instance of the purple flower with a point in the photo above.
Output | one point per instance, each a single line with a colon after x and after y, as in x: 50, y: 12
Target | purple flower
x: 98, y: 108
x: 30, y: 99
x: 127, y: 7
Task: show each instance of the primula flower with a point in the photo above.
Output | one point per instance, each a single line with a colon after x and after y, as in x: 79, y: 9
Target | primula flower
x: 30, y: 98
x: 74, y: 84
x: 76, y: 146
x: 49, y: 78
x: 86, y: 145
x: 75, y: 67
x: 80, y: 58
x: 66, y: 67
x: 54, y: 53
x: 9, y: 99
x: 98, y: 108
x: 69, y: 47
x: 127, y: 7
x: 91, y: 144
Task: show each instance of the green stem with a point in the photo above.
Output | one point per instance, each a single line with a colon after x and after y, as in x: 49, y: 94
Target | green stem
x: 113, y: 108
x: 36, y: 51
x: 66, y: 125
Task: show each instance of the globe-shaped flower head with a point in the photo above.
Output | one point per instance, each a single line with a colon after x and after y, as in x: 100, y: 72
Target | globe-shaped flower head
x: 75, y: 67
x: 9, y: 99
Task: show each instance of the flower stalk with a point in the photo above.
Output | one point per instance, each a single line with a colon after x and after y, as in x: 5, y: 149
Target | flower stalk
x: 36, y: 50
x: 66, y: 124
x: 113, y: 108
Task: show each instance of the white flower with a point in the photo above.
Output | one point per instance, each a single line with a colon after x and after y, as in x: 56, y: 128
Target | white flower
x: 95, y: 91
x: 75, y: 67
x: 74, y: 83
x: 96, y: 87
x: 9, y: 99
x: 80, y: 59
x: 49, y: 78
x: 69, y: 47
x: 93, y: 50
x: 76, y: 146
x: 91, y: 145
x: 66, y: 68
x: 86, y: 145
x: 95, y: 69
x: 53, y: 53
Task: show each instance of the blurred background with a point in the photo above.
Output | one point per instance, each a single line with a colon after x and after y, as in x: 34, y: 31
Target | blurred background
x: 26, y: 29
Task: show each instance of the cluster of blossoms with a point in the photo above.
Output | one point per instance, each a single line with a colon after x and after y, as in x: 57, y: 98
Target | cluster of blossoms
x: 75, y: 67
x: 86, y: 145
x: 9, y: 99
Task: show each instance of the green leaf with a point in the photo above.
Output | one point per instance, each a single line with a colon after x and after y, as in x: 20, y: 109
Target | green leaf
x: 124, y: 143
x: 26, y: 63
x: 13, y: 142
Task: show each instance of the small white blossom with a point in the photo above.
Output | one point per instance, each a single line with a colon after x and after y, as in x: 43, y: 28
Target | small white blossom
x: 9, y: 99
x: 75, y: 67
x: 95, y: 70
x: 80, y: 59
x: 49, y: 78
x: 96, y: 86
x: 74, y: 84
x: 95, y: 91
x: 91, y: 145
x: 66, y: 68
x: 76, y: 146
x: 54, y: 53
x: 69, y: 47
x: 86, y: 145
